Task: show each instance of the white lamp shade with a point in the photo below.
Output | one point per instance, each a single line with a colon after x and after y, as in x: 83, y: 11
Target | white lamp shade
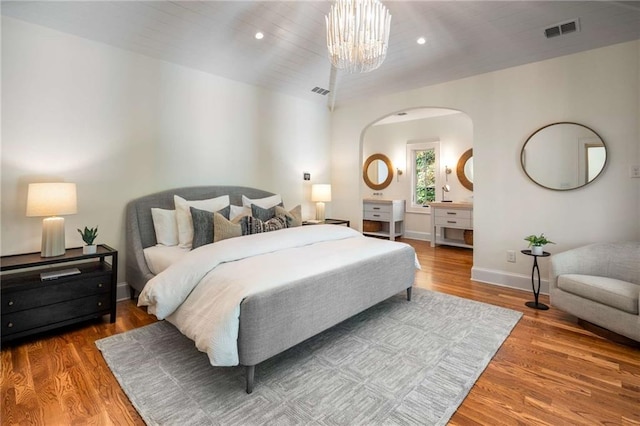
x: 321, y: 192
x: 51, y: 199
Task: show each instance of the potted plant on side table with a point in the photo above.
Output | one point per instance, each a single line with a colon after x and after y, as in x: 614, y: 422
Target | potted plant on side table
x: 537, y: 242
x: 88, y: 236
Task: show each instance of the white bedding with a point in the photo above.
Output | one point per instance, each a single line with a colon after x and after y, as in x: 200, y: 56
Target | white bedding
x: 161, y: 257
x: 201, y: 293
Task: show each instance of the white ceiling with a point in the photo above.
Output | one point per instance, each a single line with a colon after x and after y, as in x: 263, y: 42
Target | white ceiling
x: 464, y: 38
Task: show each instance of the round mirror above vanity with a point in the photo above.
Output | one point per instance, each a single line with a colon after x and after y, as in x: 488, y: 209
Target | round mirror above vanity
x: 377, y: 171
x: 464, y: 169
x: 563, y: 156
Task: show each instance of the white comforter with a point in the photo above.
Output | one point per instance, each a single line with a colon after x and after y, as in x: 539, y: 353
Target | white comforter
x: 202, y: 292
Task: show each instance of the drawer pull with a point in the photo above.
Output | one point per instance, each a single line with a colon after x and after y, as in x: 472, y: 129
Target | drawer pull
x: 452, y: 221
x: 99, y: 303
x: 376, y: 208
x: 376, y: 215
x: 452, y: 213
x: 10, y: 325
x: 10, y: 302
x: 100, y: 285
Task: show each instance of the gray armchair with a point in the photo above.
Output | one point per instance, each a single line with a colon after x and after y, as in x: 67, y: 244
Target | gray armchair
x: 599, y: 283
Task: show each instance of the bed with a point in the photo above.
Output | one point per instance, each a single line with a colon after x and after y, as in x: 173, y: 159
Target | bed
x: 301, y: 281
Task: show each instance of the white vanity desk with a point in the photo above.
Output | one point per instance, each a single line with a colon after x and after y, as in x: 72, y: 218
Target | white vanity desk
x: 389, y: 212
x: 451, y: 220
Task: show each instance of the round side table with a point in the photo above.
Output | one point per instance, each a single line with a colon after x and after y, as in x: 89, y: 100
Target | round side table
x: 536, y: 290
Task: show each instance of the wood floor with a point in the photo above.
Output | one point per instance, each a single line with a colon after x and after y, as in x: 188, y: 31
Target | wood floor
x: 549, y: 371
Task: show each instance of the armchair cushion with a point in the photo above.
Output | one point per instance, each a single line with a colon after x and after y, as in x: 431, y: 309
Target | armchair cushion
x: 608, y: 291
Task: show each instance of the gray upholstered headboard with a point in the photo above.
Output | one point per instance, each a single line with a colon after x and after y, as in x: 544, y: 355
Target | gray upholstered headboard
x: 141, y: 234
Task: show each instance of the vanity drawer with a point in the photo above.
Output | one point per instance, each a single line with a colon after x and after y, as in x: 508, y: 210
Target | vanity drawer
x: 454, y: 222
x: 377, y: 208
x: 453, y: 213
x: 377, y: 215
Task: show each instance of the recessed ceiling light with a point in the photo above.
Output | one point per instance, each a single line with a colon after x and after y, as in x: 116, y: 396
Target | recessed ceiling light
x: 421, y: 40
x: 259, y: 35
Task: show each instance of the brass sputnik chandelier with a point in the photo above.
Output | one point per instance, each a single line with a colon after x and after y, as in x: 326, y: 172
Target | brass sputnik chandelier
x: 358, y: 34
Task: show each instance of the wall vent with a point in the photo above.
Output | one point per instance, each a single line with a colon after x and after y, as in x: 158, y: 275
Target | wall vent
x: 320, y: 91
x: 562, y: 28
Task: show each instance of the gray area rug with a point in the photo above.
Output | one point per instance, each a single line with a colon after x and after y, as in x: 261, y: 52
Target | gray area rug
x: 397, y: 363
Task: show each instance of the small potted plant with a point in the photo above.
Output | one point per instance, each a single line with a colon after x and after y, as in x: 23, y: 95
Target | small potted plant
x: 88, y: 236
x: 536, y: 242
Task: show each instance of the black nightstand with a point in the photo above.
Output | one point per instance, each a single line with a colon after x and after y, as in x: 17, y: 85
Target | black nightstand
x: 31, y: 305
x: 329, y: 222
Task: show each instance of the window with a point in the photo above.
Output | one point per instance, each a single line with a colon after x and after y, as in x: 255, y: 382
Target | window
x: 422, y: 161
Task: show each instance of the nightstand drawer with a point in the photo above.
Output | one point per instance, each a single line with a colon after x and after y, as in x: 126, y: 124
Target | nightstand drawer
x: 382, y: 216
x: 54, y: 292
x: 50, y: 314
x: 454, y: 222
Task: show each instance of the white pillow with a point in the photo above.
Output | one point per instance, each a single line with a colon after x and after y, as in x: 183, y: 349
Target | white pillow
x: 265, y: 203
x: 166, y: 226
x: 183, y: 215
x: 239, y: 211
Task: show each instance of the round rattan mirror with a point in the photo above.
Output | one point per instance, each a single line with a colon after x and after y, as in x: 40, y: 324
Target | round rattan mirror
x: 377, y: 171
x: 464, y: 169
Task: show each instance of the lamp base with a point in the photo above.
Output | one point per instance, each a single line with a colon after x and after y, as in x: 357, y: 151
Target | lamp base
x: 52, y: 237
x: 320, y: 211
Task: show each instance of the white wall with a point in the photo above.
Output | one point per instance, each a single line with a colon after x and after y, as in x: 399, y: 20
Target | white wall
x: 121, y: 125
x: 455, y: 135
x: 599, y: 88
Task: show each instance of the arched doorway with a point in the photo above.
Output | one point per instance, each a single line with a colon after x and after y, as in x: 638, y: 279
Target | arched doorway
x: 446, y: 134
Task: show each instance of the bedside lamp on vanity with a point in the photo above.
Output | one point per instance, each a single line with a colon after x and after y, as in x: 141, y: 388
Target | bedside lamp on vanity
x: 320, y: 193
x: 52, y: 200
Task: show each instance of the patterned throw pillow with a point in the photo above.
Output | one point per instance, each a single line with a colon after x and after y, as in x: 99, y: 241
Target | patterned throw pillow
x: 251, y: 225
x: 294, y: 216
x: 203, y: 229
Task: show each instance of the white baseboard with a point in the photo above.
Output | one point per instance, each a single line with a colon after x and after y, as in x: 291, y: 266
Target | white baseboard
x: 505, y: 279
x: 122, y: 292
x: 416, y: 235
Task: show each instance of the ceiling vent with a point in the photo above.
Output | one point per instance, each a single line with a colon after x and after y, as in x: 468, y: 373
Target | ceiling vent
x: 320, y: 91
x: 562, y: 28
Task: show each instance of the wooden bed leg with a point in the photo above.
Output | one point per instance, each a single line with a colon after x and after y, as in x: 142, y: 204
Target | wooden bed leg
x: 409, y: 293
x: 132, y: 292
x: 251, y: 369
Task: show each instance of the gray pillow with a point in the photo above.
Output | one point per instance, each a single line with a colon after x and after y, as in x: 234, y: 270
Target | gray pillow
x: 262, y: 213
x: 203, y: 225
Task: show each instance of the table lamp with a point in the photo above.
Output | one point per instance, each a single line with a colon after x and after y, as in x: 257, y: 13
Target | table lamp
x: 52, y: 200
x: 320, y: 193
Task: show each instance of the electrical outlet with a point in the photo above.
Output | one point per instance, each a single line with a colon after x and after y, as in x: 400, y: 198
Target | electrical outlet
x: 634, y: 171
x: 511, y: 256
x: 306, y: 176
